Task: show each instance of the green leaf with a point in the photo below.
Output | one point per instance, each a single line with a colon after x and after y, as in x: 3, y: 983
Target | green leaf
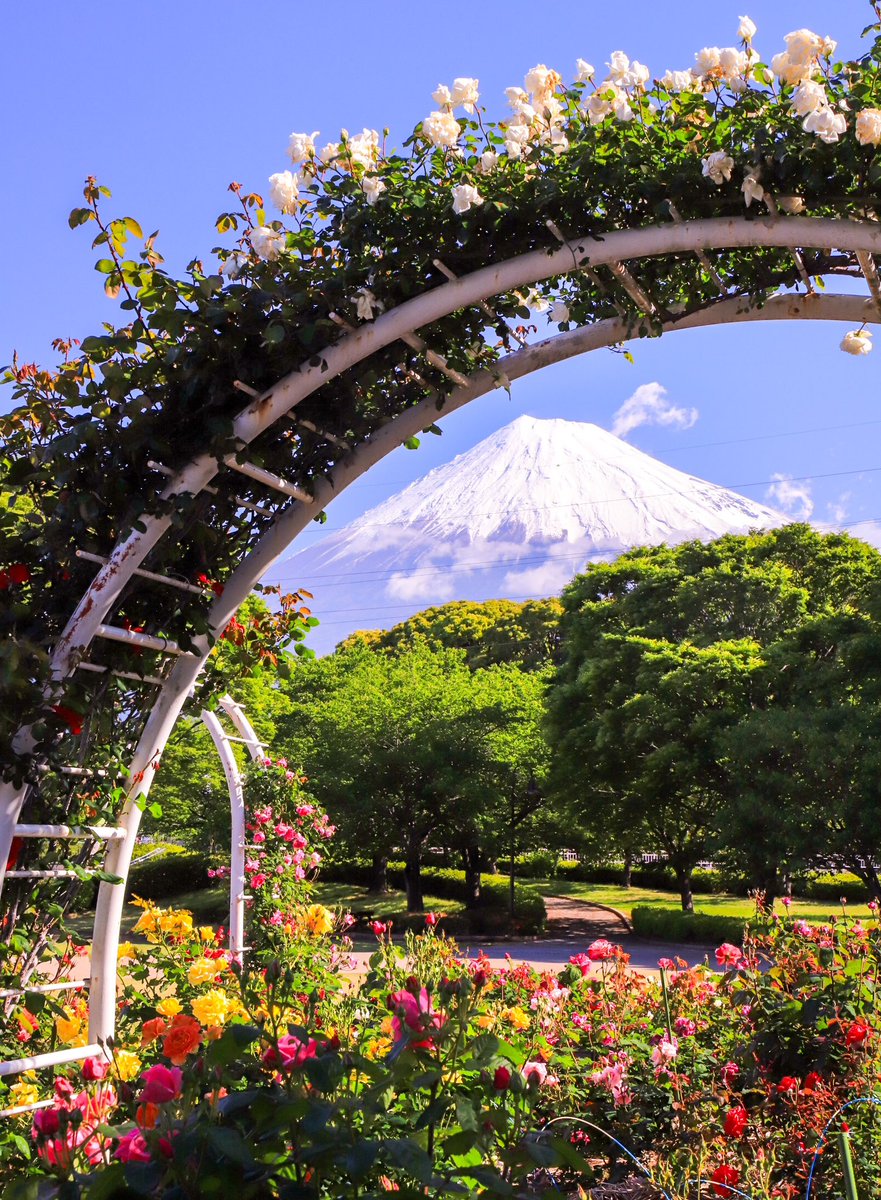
x: 274, y: 334
x: 79, y: 216
x: 412, y: 443
x: 105, y: 265
x: 133, y: 227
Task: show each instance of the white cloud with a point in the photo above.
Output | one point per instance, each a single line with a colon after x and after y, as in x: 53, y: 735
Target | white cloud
x: 546, y: 580
x: 838, y: 509
x: 793, y: 496
x: 403, y: 586
x: 648, y: 406
x: 867, y: 531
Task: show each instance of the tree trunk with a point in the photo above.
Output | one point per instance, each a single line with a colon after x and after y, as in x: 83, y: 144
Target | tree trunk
x: 378, y: 874
x: 683, y: 882
x: 627, y: 880
x: 413, y: 876
x: 472, y: 860
x: 866, y: 871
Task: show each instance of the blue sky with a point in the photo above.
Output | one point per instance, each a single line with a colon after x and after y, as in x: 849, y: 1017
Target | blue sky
x: 167, y: 103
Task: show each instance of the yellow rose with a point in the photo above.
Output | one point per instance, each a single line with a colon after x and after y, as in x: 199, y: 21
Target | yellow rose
x: 23, y: 1092
x: 146, y: 922
x: 317, y: 920
x: 70, y: 1029
x: 485, y: 1021
x: 126, y: 950
x: 203, y: 970
x: 178, y: 922
x: 206, y: 933
x: 169, y: 1007
x: 517, y: 1017
x: 378, y: 1049
x: 127, y: 1064
x: 212, y: 1008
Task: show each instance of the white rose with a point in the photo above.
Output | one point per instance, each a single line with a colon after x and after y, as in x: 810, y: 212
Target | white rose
x: 465, y: 196
x: 233, y: 265
x: 372, y: 188
x: 788, y: 71
x: 718, y: 166
x: 513, y: 149
x: 746, y: 30
x: 441, y: 129
x: 301, y: 146
x: 367, y: 304
x: 621, y: 108
x: 869, y: 127
x: 802, y: 45
x: 733, y: 62
x: 638, y: 75
x: 540, y: 82
x: 583, y: 71
x: 556, y: 139
x: 828, y: 47
x: 489, y: 160
x: 619, y: 66
x: 752, y: 190
x: 330, y: 153
x: 826, y: 124
x: 517, y: 131
x: 559, y: 312
x: 858, y: 341
x: 465, y: 92
x: 267, y: 242
x: 284, y: 191
x: 791, y: 204
x: 364, y: 147
x: 808, y: 97
x: 677, y: 81
x: 597, y: 107
x: 443, y: 96
x: 517, y: 98
x: 707, y: 60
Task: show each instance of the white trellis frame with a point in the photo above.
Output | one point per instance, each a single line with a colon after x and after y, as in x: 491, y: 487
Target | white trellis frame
x: 238, y: 832
x: 859, y: 239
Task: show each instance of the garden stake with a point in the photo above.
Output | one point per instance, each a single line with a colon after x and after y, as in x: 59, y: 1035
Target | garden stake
x: 850, y: 1179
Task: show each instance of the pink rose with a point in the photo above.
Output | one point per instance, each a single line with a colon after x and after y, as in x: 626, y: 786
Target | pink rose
x: 600, y: 950
x: 161, y: 1084
x: 133, y: 1148
x: 728, y: 955
x: 292, y: 1052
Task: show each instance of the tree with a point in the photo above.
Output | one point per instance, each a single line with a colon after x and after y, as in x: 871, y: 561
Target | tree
x: 663, y: 659
x: 410, y: 748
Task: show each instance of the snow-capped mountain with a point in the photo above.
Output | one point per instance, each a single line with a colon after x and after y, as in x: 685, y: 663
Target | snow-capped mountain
x: 515, y: 517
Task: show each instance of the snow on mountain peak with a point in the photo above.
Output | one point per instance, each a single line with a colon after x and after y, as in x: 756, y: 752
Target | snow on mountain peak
x: 516, y: 516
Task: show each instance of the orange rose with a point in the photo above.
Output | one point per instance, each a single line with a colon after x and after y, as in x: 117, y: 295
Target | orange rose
x: 152, y: 1030
x: 183, y: 1038
x: 147, y: 1115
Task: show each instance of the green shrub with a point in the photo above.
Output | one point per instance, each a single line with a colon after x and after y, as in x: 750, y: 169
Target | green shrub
x: 834, y: 887
x: 671, y: 925
x: 540, y: 864
x: 174, y: 871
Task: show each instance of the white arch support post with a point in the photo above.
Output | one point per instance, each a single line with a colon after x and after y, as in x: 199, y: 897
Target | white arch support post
x: 235, y: 783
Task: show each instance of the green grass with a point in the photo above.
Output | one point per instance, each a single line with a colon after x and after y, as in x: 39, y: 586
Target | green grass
x: 723, y: 906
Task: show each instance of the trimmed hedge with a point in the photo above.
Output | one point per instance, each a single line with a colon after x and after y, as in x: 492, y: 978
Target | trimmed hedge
x: 668, y: 924
x: 168, y: 874
x: 657, y: 877
x: 490, y: 917
x: 834, y: 887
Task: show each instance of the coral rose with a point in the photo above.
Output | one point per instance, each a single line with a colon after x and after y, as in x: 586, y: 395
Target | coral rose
x: 153, y: 1029
x: 182, y: 1040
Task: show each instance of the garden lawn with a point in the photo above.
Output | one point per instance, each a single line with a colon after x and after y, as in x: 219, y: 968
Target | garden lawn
x: 624, y: 900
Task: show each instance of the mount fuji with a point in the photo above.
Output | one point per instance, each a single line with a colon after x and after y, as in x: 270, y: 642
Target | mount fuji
x: 514, y: 518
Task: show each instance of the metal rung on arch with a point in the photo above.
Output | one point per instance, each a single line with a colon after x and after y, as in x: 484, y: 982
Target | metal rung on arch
x: 69, y: 985
x: 146, y: 641
x: 103, y: 833
x: 151, y: 575
x: 54, y: 1058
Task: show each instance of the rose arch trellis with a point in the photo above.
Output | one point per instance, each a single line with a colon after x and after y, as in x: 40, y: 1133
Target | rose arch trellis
x: 404, y: 293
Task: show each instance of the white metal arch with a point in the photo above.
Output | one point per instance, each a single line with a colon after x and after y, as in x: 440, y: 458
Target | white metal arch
x: 855, y: 237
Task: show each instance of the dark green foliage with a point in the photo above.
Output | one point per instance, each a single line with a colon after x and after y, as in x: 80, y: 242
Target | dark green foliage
x: 169, y: 874
x: 668, y: 924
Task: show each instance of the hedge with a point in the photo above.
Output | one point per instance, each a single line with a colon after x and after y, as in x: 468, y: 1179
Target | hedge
x: 672, y: 925
x: 836, y: 887
x: 168, y: 874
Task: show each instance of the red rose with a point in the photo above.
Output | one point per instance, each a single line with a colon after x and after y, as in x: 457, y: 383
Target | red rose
x: 502, y: 1079
x: 71, y: 718
x: 94, y: 1068
x: 600, y: 950
x: 736, y: 1121
x: 724, y: 1180
x: 19, y: 573
x: 812, y: 1081
x: 857, y: 1033
x: 787, y: 1084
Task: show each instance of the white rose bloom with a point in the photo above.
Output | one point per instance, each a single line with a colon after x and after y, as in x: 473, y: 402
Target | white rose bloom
x: 301, y: 146
x: 802, y: 45
x: 677, y: 81
x: 746, y: 30
x: 557, y: 140
x: 267, y: 242
x: 869, y: 127
x: 790, y: 71
x: 330, y: 153
x: 619, y: 66
x: 707, y: 60
x: 541, y: 82
x: 858, y: 341
x: 367, y: 304
x: 718, y: 166
x: 441, y: 129
x: 364, y: 147
x: 826, y: 124
x: 733, y: 62
x: 372, y: 188
x: 465, y: 196
x: 284, y: 191
x: 829, y: 47
x: 621, y: 108
x: 638, y: 75
x: 513, y: 149
x: 559, y: 312
x: 808, y: 97
x: 752, y: 190
x: 791, y: 204
x: 465, y: 92
x: 489, y: 160
x: 597, y: 107
x: 233, y: 265
x: 517, y: 98
x: 584, y: 71
x: 517, y: 131
x: 443, y: 96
